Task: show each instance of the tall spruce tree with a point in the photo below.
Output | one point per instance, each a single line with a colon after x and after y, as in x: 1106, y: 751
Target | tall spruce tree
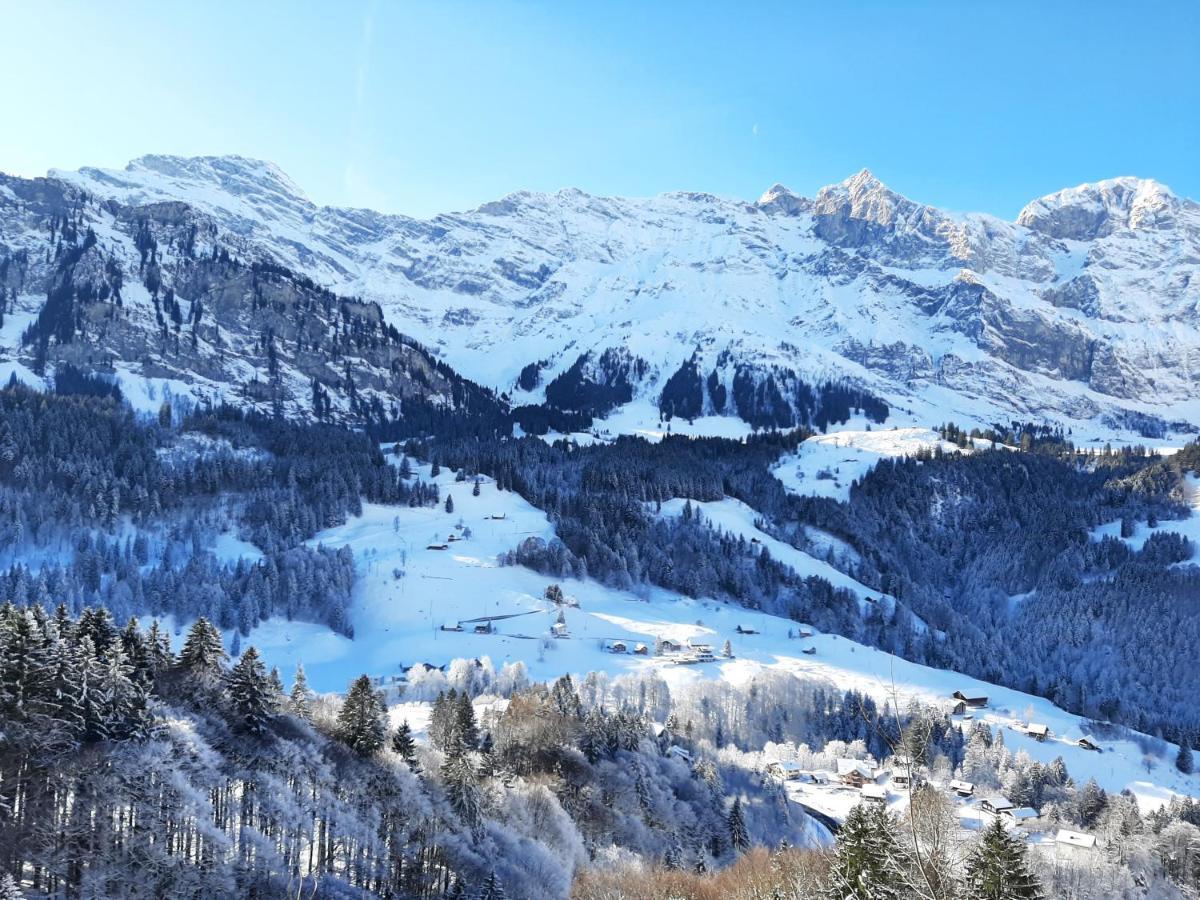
x: 203, y: 655
x: 996, y: 867
x: 250, y: 693
x: 360, y: 722
x: 868, y: 863
x: 739, y: 838
x: 300, y: 700
x: 403, y: 744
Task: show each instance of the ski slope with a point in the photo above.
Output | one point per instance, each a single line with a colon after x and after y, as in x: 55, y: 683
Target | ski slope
x: 397, y: 622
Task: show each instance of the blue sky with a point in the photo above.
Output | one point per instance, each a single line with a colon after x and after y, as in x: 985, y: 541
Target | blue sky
x: 426, y: 107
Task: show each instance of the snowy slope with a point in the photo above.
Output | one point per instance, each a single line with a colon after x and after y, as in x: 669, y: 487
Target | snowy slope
x: 1084, y: 310
x: 397, y: 622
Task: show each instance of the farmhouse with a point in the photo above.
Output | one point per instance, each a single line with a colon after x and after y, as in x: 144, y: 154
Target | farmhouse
x: 483, y: 628
x: 874, y: 793
x: 742, y: 629
x: 809, y: 651
x: 1037, y: 731
x: 1073, y: 844
x: 617, y: 647
x: 1022, y: 815
x: 962, y: 788
x: 437, y: 545
x: 559, y: 630
x: 1088, y: 744
x: 970, y: 701
x: 786, y: 770
x: 452, y: 626
x: 995, y: 804
x: 854, y: 773
x: 641, y: 649
x: 666, y: 645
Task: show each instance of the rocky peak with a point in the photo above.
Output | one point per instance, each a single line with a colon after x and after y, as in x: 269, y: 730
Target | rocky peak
x: 778, y: 198
x: 1095, y: 210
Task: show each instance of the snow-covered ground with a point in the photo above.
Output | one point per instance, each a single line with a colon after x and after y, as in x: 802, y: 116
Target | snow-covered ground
x: 397, y: 622
x: 825, y: 465
x: 1189, y: 527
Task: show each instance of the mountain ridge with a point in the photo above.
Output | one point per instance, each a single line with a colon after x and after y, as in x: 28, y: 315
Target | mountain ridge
x: 1080, y: 312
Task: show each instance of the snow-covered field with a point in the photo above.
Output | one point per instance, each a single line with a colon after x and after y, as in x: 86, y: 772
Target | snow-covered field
x: 1189, y: 527
x: 825, y: 465
x: 397, y: 621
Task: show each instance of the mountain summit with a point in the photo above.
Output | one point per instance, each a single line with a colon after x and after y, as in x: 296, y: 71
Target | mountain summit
x: 1083, y: 311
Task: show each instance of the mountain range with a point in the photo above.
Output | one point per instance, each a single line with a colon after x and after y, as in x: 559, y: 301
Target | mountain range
x: 218, y: 276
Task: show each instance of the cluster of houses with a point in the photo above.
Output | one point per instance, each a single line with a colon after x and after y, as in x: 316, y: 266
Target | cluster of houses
x: 637, y: 649
x: 689, y: 653
x: 872, y: 785
x: 485, y: 627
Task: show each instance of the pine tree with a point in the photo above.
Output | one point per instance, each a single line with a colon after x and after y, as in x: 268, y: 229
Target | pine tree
x: 466, y: 730
x: 277, y: 693
x: 403, y: 744
x: 9, y: 890
x: 203, y: 655
x: 475, y: 489
x: 996, y: 867
x: 300, y: 701
x: 491, y: 890
x: 449, y: 503
x: 459, y: 779
x: 360, y: 722
x: 739, y: 838
x: 867, y: 863
x: 250, y: 693
x: 1183, y: 761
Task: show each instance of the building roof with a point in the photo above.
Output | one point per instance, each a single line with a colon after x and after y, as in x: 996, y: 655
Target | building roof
x: 1038, y: 729
x: 1022, y: 812
x: 959, y: 785
x: 787, y: 766
x: 997, y: 801
x: 847, y: 766
x: 874, y: 791
x: 1074, y: 838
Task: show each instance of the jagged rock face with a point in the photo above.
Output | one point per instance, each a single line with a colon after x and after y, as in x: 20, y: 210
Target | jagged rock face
x: 152, y: 290
x: 1087, y: 306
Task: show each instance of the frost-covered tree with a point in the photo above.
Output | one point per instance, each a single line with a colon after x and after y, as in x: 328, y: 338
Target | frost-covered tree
x: 300, y: 699
x: 403, y: 744
x: 867, y: 863
x: 996, y: 867
x: 203, y: 655
x: 360, y: 722
x: 251, y: 695
x: 739, y: 838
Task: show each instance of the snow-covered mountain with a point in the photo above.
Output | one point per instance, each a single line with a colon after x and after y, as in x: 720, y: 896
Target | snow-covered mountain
x: 1084, y: 311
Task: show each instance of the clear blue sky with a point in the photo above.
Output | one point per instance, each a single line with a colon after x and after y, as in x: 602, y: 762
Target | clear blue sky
x: 427, y: 107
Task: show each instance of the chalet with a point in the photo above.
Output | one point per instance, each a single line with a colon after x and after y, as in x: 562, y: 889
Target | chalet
x: 699, y: 647
x: 958, y: 708
x: 854, y: 773
x: 680, y: 753
x: 617, y: 647
x: 1088, y: 744
x: 641, y: 649
x: 806, y: 632
x: 1037, y: 732
x: 962, y: 788
x: 971, y: 701
x: 1073, y: 843
x: 437, y: 545
x: 1021, y: 815
x: 787, y: 770
x: 498, y: 517
x: 809, y: 651
x: 453, y: 537
x: 452, y: 626
x: 741, y: 629
x: 995, y: 804
x: 483, y: 628
x: 873, y: 793
x: 669, y: 646
x: 559, y: 630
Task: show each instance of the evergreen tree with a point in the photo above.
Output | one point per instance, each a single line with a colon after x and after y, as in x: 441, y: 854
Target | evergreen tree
x: 1183, y: 761
x: 300, y: 700
x: 449, y: 503
x: 492, y: 889
x: 9, y: 890
x: 203, y: 655
x: 250, y: 693
x: 459, y: 780
x: 360, y: 722
x: 466, y: 731
x: 403, y: 744
x: 475, y: 489
x: 867, y: 862
x: 739, y: 838
x: 996, y: 868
